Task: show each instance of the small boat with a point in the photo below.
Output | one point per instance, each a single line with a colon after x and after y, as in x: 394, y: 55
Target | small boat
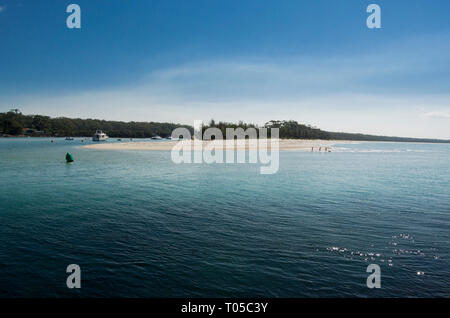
x: 100, y: 136
x: 118, y: 139
x: 157, y: 137
x: 69, y: 138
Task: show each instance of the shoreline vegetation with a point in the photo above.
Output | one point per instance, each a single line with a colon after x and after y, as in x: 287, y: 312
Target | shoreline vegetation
x: 15, y: 124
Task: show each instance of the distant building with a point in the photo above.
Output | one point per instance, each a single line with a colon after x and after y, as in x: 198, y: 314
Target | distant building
x: 32, y: 132
x: 28, y: 131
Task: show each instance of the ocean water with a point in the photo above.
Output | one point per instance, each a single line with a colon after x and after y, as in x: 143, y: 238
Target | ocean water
x: 139, y: 225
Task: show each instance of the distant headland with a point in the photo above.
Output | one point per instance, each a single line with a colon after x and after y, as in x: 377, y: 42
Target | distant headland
x: 15, y: 124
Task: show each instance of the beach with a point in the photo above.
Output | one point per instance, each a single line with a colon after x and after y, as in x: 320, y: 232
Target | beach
x: 284, y: 145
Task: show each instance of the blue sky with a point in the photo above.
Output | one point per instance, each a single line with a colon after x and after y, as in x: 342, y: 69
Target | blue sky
x: 254, y: 60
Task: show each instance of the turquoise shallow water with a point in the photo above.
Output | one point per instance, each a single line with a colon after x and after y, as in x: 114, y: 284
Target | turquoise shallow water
x: 140, y: 226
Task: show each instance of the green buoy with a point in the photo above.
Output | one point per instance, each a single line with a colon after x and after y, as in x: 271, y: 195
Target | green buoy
x: 69, y: 157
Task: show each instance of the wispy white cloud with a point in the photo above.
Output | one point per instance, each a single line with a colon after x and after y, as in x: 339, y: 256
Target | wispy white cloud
x: 443, y: 114
x: 2, y: 8
x: 400, y: 115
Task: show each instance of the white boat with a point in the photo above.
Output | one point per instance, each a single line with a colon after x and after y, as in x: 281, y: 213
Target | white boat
x: 99, y: 136
x: 157, y: 137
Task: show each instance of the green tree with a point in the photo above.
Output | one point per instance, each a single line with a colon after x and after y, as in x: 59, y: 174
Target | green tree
x: 12, y: 127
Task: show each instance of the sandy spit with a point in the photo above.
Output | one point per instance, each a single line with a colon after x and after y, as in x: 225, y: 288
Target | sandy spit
x: 284, y: 145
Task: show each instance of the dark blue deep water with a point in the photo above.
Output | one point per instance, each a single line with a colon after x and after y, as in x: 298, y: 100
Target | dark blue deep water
x: 141, y: 226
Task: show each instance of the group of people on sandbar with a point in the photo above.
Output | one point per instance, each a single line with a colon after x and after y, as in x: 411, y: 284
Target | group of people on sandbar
x: 326, y: 149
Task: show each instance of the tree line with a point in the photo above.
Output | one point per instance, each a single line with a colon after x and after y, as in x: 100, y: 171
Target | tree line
x: 365, y: 137
x: 287, y: 129
x: 14, y: 123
